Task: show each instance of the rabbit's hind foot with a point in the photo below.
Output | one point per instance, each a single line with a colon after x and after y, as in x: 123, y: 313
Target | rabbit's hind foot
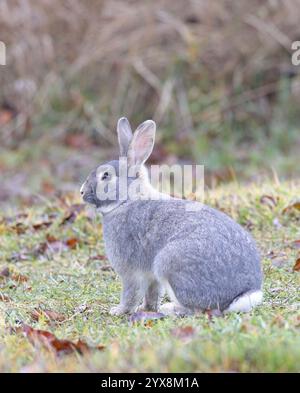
x: 175, y: 309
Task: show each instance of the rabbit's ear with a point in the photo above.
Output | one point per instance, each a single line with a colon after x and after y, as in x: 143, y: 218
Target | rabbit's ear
x: 124, y: 135
x: 142, y: 143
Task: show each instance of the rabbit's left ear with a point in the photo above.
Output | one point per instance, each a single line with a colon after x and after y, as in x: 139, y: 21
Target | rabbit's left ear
x: 124, y: 135
x: 142, y: 143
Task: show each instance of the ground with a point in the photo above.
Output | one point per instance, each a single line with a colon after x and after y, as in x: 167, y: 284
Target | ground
x: 55, y: 277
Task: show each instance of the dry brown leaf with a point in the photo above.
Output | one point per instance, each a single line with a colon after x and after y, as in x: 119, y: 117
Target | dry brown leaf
x: 98, y: 258
x: 72, y: 242
x: 268, y: 200
x: 72, y: 213
x: 4, y: 298
x: 51, y: 342
x: 42, y: 225
x: 296, y: 244
x: 53, y: 245
x: 296, y: 267
x: 291, y: 207
x: 19, y: 228
x: 52, y: 316
x: 5, y: 272
x: 183, y: 332
x: 106, y: 268
x: 19, y: 277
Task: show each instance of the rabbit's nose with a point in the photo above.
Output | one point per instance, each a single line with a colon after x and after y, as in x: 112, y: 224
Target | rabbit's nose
x: 82, y: 189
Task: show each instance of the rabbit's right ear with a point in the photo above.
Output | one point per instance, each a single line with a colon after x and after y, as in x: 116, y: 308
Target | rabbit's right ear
x: 124, y: 135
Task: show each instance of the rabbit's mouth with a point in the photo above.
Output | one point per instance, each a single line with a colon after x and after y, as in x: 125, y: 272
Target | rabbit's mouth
x: 90, y: 199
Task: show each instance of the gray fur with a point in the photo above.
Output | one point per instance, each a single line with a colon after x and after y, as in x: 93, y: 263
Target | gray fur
x: 206, y: 258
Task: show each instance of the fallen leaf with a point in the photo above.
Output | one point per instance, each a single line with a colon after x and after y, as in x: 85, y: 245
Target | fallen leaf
x: 52, y: 316
x: 53, y: 245
x: 72, y: 213
x: 51, y: 342
x: 106, y: 268
x: 72, y: 242
x: 19, y: 228
x: 51, y: 239
x: 83, y: 347
x: 15, y: 329
x: 4, y: 272
x: 268, y: 200
x: 183, y: 332
x: 296, y: 244
x: 4, y: 298
x: 296, y: 267
x: 19, y: 277
x: 98, y: 258
x: 145, y: 317
x: 42, y: 225
x: 291, y: 207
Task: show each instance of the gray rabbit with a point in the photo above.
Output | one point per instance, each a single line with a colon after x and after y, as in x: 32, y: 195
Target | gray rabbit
x: 198, y: 255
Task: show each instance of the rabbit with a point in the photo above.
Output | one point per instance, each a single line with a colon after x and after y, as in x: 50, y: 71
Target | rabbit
x: 199, y: 256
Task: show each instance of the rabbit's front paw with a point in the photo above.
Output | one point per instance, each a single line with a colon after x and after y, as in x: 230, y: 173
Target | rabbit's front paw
x: 118, y: 310
x: 145, y: 307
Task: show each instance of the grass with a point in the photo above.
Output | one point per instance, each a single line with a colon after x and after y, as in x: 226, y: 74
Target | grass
x: 70, y: 281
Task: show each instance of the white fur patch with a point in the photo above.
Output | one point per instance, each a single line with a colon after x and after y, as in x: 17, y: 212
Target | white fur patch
x: 148, y: 190
x: 170, y: 292
x: 246, y: 302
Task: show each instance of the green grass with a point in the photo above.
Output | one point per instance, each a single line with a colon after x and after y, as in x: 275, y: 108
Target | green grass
x: 267, y: 339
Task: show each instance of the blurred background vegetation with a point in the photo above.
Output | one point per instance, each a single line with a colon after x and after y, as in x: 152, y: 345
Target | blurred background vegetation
x: 216, y: 76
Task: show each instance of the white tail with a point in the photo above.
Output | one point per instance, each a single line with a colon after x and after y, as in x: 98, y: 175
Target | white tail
x: 246, y: 302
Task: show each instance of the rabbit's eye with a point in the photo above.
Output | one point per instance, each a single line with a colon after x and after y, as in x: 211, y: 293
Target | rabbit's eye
x: 105, y: 176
